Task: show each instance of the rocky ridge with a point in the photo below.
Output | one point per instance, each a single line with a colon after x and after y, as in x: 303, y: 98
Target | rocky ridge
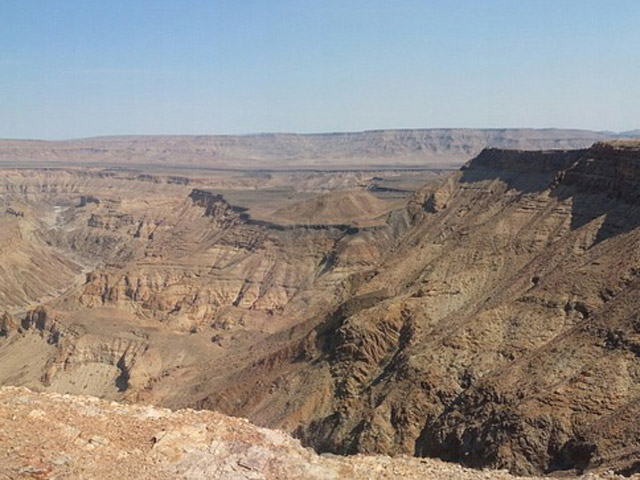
x: 49, y: 436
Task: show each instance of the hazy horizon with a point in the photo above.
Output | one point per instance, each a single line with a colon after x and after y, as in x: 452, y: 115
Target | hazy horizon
x: 75, y: 69
x: 342, y: 132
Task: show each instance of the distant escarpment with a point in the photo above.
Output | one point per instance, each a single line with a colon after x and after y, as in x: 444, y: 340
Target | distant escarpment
x: 415, y: 148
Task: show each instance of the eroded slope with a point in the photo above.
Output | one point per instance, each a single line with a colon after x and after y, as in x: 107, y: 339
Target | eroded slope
x: 131, y: 284
x: 501, y: 331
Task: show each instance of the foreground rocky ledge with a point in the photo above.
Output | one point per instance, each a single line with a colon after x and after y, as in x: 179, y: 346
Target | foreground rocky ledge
x: 47, y: 436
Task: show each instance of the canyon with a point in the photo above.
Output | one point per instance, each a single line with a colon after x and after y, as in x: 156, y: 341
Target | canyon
x: 469, y: 303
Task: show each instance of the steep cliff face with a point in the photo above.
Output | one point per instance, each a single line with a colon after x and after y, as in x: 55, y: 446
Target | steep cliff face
x: 610, y: 168
x: 216, y: 206
x: 501, y: 330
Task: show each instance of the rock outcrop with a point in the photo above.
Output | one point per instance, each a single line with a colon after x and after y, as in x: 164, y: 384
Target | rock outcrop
x: 61, y: 436
x: 8, y: 325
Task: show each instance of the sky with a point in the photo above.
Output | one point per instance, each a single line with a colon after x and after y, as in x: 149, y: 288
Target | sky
x: 79, y: 68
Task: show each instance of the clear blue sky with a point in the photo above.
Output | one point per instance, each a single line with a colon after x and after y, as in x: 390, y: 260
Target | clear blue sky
x: 77, y: 68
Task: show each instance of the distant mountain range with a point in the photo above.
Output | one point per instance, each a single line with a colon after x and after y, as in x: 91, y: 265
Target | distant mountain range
x: 421, y: 148
x: 630, y: 134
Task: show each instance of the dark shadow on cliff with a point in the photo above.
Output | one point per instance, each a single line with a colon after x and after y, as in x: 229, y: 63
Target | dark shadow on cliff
x: 598, y: 181
x: 619, y: 216
x: 522, y: 171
